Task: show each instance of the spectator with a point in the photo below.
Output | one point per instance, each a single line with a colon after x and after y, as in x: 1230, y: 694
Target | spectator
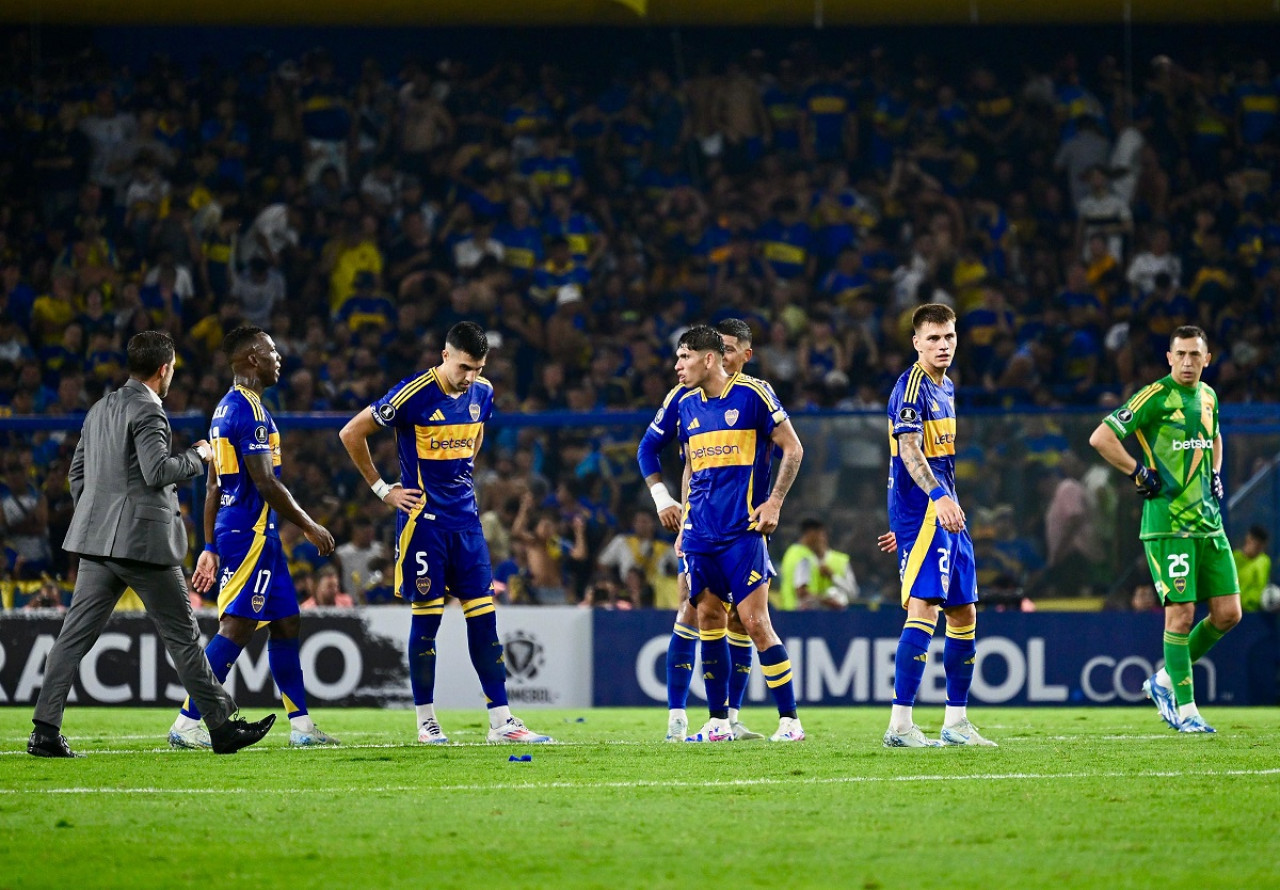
x: 1253, y: 564
x: 328, y: 592
x: 356, y: 557
x: 655, y: 560
x: 812, y: 575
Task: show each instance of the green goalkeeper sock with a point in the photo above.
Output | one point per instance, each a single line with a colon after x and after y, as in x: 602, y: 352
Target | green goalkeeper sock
x: 1177, y: 661
x: 1204, y: 636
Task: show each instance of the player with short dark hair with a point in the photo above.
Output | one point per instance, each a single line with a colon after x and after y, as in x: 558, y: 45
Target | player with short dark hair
x: 682, y: 647
x: 439, y: 418
x: 1176, y: 422
x: 729, y: 426
x: 936, y: 563
x: 243, y: 504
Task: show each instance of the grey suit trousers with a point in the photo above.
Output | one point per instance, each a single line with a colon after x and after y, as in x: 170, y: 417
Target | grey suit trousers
x: 162, y: 589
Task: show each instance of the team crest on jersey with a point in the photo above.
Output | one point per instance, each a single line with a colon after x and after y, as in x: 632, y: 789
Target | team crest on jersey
x: 424, y: 585
x: 945, y: 580
x: 1124, y: 415
x: 1180, y: 584
x: 259, y: 600
x: 908, y: 414
x: 657, y: 418
x: 731, y: 416
x: 261, y: 435
x: 387, y: 412
x: 475, y: 412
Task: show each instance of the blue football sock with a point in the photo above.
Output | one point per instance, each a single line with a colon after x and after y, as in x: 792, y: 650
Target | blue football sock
x: 715, y: 670
x: 680, y: 654
x: 422, y: 650
x: 286, y: 668
x: 958, y: 655
x: 775, y: 664
x: 222, y: 654
x: 911, y: 658
x: 486, y: 649
x: 740, y: 657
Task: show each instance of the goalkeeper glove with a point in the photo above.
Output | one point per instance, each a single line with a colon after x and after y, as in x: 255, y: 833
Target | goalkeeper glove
x: 1218, y: 490
x: 1146, y: 481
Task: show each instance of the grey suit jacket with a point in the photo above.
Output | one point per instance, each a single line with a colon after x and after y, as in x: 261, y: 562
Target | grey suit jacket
x: 123, y: 482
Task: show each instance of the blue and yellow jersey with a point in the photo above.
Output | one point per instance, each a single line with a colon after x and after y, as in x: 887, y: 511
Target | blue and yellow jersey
x: 785, y: 248
x: 660, y: 432
x: 436, y: 436
x: 242, y: 426
x: 918, y: 405
x: 521, y: 247
x: 579, y: 230
x: 1259, y: 106
x: 726, y: 441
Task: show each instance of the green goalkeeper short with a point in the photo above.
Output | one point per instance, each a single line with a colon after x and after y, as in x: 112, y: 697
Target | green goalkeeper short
x: 1188, y: 570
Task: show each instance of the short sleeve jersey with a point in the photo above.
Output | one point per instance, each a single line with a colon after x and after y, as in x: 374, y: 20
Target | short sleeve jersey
x: 436, y: 437
x: 918, y: 405
x: 726, y: 442
x: 242, y: 426
x: 1175, y: 426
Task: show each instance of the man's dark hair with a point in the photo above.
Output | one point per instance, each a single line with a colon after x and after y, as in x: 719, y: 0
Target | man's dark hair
x: 1259, y: 534
x: 811, y: 525
x: 468, y: 337
x: 1188, y: 332
x: 736, y: 328
x: 932, y: 313
x: 239, y: 339
x: 147, y: 351
x: 702, y: 338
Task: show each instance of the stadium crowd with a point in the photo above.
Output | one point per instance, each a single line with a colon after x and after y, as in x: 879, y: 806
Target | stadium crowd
x: 585, y: 222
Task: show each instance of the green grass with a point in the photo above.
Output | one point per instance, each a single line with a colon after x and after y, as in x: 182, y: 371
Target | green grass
x: 1073, y: 798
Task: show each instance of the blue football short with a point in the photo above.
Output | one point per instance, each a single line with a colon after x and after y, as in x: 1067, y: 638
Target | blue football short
x: 935, y: 564
x: 255, y: 581
x: 432, y: 561
x: 733, y: 571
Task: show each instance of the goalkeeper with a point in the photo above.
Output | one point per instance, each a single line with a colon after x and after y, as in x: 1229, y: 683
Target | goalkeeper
x: 1175, y: 421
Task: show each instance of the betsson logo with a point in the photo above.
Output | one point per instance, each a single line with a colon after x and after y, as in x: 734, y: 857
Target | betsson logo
x: 714, y: 451
x: 450, y: 444
x: 1189, y: 444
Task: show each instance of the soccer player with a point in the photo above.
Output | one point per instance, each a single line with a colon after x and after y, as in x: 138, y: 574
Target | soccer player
x: 243, y: 504
x: 729, y: 426
x: 935, y: 562
x: 439, y: 418
x: 736, y: 335
x: 1176, y: 422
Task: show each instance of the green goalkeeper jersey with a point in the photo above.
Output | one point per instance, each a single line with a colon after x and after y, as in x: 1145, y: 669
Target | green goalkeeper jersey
x: 1175, y: 426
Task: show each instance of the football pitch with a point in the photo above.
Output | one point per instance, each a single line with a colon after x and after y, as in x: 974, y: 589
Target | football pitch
x: 1103, y: 797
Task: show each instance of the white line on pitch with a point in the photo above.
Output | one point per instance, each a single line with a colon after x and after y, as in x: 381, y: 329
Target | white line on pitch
x: 717, y: 783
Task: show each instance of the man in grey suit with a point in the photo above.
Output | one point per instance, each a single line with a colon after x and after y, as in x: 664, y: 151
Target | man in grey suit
x: 128, y: 533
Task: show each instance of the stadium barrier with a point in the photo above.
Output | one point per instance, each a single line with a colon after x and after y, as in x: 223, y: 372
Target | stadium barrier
x: 567, y: 657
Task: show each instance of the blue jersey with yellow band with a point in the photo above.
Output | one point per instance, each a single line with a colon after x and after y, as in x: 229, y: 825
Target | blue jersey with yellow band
x: 726, y: 442
x: 436, y: 436
x: 242, y: 426
x: 660, y: 433
x: 918, y: 405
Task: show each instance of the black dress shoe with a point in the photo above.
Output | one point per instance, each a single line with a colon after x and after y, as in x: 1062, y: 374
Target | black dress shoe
x: 235, y: 734
x: 42, y: 745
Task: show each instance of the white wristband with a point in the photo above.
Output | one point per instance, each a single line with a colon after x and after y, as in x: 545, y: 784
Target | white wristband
x: 662, y: 498
x: 380, y: 488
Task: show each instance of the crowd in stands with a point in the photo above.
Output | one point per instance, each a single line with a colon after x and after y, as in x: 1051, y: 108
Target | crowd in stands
x: 584, y: 221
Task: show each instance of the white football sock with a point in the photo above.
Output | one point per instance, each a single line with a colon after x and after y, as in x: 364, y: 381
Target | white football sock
x: 426, y: 712
x: 183, y: 723
x: 677, y: 713
x: 1188, y: 710
x: 954, y: 715
x: 1163, y: 678
x: 733, y: 715
x: 499, y: 716
x: 302, y: 723
x: 900, y: 718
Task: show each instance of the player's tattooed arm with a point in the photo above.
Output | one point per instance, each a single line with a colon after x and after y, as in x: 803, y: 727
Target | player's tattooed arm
x: 911, y: 452
x: 766, y: 515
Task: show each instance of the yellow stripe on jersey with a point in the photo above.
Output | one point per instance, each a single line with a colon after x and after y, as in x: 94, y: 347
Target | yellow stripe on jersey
x: 913, y: 384
x: 236, y: 582
x: 940, y: 437
x: 671, y: 395
x: 1146, y: 449
x: 260, y: 527
x: 474, y: 608
x: 967, y: 632
x: 759, y: 389
x: 722, y: 448
x: 273, y: 440
x: 412, y: 387
x: 1144, y: 396
x: 919, y: 550
x: 254, y: 402
x: 225, y: 459
x: 454, y: 441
